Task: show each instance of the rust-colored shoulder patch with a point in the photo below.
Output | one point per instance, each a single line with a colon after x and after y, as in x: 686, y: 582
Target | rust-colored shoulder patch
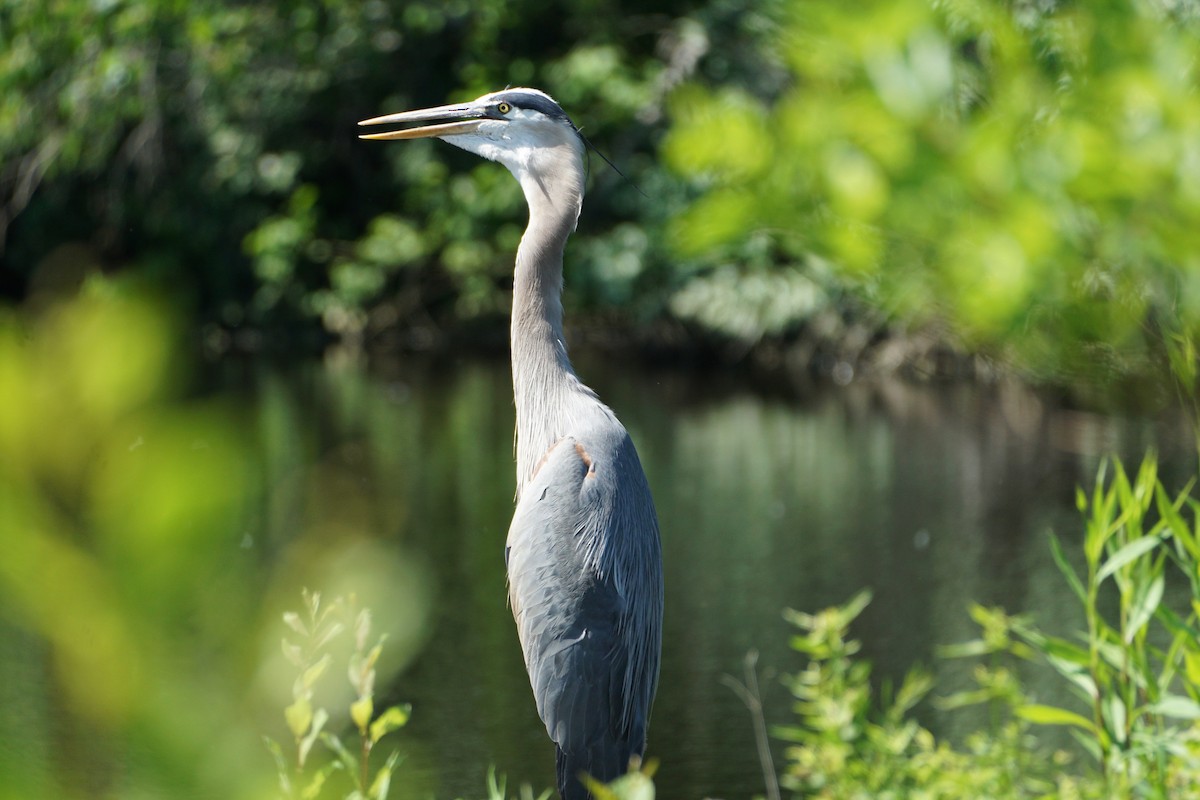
x: 542, y: 462
x: 587, y: 460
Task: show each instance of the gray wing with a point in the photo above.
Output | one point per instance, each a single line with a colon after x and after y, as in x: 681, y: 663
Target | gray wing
x: 585, y: 584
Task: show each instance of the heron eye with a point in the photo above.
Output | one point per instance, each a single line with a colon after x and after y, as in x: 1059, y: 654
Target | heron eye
x: 504, y: 108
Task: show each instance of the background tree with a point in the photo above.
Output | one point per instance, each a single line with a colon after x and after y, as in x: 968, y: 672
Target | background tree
x: 212, y: 149
x: 1025, y: 174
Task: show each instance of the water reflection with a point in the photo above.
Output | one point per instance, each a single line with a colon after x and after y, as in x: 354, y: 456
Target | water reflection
x: 933, y: 497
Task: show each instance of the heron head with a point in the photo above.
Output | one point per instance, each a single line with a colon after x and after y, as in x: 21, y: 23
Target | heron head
x: 523, y: 129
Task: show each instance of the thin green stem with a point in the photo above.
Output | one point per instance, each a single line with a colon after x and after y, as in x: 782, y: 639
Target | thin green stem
x: 364, y: 770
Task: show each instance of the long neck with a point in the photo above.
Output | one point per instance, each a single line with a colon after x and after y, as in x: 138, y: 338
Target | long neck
x: 543, y: 381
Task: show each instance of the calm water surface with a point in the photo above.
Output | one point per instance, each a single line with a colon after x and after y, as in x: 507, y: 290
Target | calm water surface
x: 768, y: 498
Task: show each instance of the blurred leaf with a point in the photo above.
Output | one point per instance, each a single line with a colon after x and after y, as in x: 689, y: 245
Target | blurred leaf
x: 1126, y: 555
x: 305, y: 746
x: 962, y: 156
x: 383, y: 778
x: 293, y: 621
x: 299, y: 716
x: 281, y: 766
x: 1063, y: 565
x: 344, y: 757
x: 1177, y: 707
x: 1146, y: 602
x: 293, y: 653
x: 1052, y: 715
x: 313, y: 674
x: 394, y: 718
x: 360, y: 712
x: 317, y: 782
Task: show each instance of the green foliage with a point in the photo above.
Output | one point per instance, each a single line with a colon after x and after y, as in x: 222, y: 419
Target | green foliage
x: 319, y: 629
x: 636, y: 784
x: 1021, y: 175
x: 1133, y: 674
x: 213, y: 146
x: 117, y: 501
x: 130, y: 519
x: 847, y: 745
x: 1026, y: 172
x: 1133, y: 671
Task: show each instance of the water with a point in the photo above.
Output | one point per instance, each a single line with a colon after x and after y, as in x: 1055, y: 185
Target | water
x: 768, y: 497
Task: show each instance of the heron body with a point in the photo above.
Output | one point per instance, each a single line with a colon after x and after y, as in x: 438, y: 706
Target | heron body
x: 583, y: 555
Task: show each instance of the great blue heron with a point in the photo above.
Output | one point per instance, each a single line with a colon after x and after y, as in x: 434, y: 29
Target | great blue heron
x: 583, y: 554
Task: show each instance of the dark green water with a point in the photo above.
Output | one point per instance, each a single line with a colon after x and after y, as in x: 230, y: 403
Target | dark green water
x: 768, y: 498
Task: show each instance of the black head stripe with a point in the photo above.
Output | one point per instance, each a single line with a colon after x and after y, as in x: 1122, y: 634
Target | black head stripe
x: 534, y: 102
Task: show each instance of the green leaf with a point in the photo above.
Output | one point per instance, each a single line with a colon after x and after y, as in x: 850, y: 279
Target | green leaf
x: 1068, y: 572
x: 970, y: 649
x: 383, y: 778
x: 318, y: 723
x: 855, y: 606
x: 298, y: 715
x: 362, y: 628
x: 497, y: 786
x: 963, y: 699
x: 1176, y: 706
x: 281, y: 766
x: 313, y: 673
x: 634, y: 785
x: 328, y: 634
x: 1078, y: 676
x: 1115, y: 716
x: 1053, y: 715
x: 1168, y: 511
x: 1130, y: 552
x: 293, y: 621
x: 348, y: 761
x: 394, y: 718
x: 1089, y: 744
x: 361, y: 710
x: 293, y: 653
x: 1191, y: 666
x: 1177, y: 624
x: 313, y: 790
x: 1145, y: 604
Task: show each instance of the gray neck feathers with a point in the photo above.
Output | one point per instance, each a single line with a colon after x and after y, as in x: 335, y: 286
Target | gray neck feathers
x: 545, y: 388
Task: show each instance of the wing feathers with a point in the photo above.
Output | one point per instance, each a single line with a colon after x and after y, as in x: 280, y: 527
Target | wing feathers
x: 585, y: 586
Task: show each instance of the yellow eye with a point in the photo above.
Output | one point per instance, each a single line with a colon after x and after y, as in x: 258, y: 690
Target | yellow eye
x: 504, y: 108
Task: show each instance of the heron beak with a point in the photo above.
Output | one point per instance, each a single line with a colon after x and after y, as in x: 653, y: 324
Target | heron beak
x: 455, y: 119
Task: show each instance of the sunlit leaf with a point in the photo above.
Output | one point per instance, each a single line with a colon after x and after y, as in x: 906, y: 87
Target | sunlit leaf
x: 313, y: 674
x: 1146, y: 602
x: 281, y: 766
x: 328, y: 634
x: 362, y: 628
x: 383, y: 778
x: 1127, y: 554
x: 344, y: 756
x: 320, y: 717
x: 969, y: 649
x: 293, y: 621
x: 313, y: 790
x: 1176, y: 706
x: 361, y: 710
x: 293, y: 653
x: 299, y: 716
x: 1115, y: 716
x: 1052, y: 715
x: 392, y: 719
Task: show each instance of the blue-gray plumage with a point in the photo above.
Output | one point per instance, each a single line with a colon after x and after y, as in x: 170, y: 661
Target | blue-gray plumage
x: 583, y: 556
